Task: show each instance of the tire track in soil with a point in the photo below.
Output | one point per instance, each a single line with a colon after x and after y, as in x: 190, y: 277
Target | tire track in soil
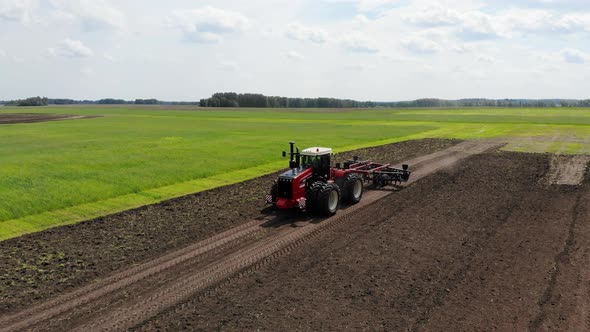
x: 454, y: 280
x: 584, y: 311
x: 569, y: 304
x: 561, y: 258
x: 261, y: 252
x: 93, y: 291
x: 585, y: 306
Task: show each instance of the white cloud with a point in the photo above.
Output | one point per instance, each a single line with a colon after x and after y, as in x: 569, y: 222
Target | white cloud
x: 468, y: 24
x: 573, y: 23
x: 463, y: 48
x: 18, y: 10
x: 92, y: 15
x: 360, y: 20
x: 2, y: 53
x: 18, y: 59
x: 552, y: 4
x: 370, y: 5
x: 72, y: 49
x: 572, y: 55
x: 529, y: 20
x: 358, y: 43
x: 88, y: 72
x: 421, y: 45
x: 228, y: 66
x: 433, y: 15
x: 308, y: 34
x: 395, y: 59
x: 486, y: 59
x: 404, y: 37
x: 207, y: 25
x: 543, y: 21
x: 359, y: 67
x: 294, y: 55
x: 476, y: 25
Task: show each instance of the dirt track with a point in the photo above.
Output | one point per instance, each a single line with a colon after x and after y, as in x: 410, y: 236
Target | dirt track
x: 13, y: 118
x: 485, y: 244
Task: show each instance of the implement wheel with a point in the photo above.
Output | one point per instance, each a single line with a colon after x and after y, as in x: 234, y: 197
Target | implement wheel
x: 352, y: 189
x: 328, y: 199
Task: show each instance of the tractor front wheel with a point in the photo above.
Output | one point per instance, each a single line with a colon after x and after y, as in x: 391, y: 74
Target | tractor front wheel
x: 328, y: 199
x: 311, y: 197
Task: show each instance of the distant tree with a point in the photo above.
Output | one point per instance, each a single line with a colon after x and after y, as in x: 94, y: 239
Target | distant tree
x: 32, y: 101
x: 62, y: 101
x: 146, y: 101
x: 111, y: 101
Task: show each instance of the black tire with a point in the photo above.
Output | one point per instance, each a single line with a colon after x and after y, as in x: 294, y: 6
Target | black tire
x: 352, y: 189
x: 311, y: 196
x: 274, y: 191
x: 325, y: 199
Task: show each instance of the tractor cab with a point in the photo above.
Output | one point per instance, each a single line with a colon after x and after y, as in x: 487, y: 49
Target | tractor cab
x: 317, y: 158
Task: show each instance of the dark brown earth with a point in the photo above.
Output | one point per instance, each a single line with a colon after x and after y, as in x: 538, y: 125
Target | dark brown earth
x: 38, y: 266
x: 12, y: 118
x: 487, y: 245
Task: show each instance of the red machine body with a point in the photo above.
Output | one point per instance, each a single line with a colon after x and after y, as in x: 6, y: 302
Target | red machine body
x: 294, y: 183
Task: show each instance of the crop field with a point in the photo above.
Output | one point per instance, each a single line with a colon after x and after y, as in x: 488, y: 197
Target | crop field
x: 62, y: 172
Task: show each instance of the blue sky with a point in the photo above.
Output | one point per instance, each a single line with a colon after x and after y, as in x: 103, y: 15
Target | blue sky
x: 361, y: 49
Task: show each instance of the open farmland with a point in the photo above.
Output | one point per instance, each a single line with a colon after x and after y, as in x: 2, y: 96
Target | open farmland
x: 480, y: 239
x: 61, y: 172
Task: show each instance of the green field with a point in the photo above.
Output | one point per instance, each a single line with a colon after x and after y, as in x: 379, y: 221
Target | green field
x: 61, y: 172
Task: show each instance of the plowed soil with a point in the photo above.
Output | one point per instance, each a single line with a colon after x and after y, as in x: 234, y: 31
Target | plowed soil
x: 38, y: 266
x: 487, y: 245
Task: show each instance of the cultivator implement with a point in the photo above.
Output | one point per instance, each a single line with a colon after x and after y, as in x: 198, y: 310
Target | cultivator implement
x: 379, y: 174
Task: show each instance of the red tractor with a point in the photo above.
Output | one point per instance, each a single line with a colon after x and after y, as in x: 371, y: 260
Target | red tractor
x: 314, y: 186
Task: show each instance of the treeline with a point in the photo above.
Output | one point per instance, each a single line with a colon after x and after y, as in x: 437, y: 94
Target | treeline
x: 44, y: 101
x: 256, y: 100
x: 232, y: 99
x: 481, y: 102
x: 33, y: 101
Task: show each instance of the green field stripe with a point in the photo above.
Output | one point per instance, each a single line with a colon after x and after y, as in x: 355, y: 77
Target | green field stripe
x: 75, y: 214
x: 62, y: 172
x: 71, y: 215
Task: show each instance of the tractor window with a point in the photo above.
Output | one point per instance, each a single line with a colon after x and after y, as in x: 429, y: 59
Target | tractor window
x: 310, y: 161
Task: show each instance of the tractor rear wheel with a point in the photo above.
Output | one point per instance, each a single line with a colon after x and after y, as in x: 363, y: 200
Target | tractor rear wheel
x: 311, y: 197
x: 352, y: 189
x: 328, y: 199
